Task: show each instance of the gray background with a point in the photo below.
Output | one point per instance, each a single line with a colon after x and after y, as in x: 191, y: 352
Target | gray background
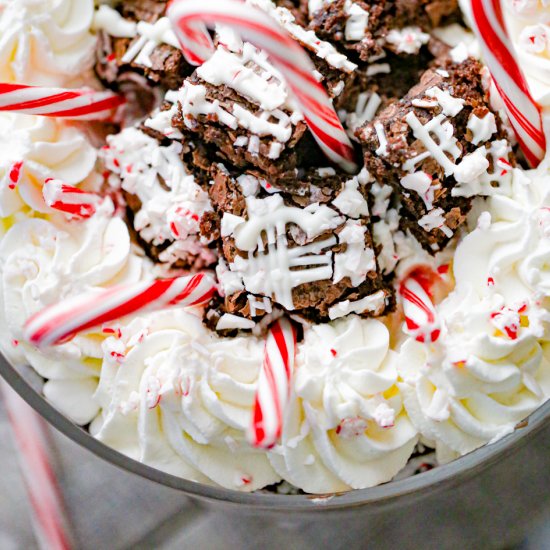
x: 112, y: 509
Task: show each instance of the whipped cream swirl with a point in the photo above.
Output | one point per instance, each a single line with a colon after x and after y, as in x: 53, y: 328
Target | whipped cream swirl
x: 45, y: 42
x: 42, y: 262
x: 529, y: 25
x: 345, y: 428
x: 491, y: 367
x: 178, y: 397
x: 480, y: 386
x: 508, y: 247
x: 33, y: 149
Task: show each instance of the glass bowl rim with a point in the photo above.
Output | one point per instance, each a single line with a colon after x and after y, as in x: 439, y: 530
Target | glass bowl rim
x: 464, y: 466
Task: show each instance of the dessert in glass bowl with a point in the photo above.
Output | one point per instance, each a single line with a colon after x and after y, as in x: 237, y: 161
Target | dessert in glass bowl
x: 296, y: 258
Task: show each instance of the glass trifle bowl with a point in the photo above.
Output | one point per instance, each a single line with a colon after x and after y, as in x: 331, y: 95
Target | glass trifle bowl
x: 288, y: 256
x: 465, y: 501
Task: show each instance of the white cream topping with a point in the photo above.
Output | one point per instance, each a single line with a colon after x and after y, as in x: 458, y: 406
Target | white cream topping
x: 180, y: 399
x: 42, y: 262
x: 33, y: 149
x: 482, y: 385
x: 491, y: 367
x: 338, y: 432
x: 45, y: 42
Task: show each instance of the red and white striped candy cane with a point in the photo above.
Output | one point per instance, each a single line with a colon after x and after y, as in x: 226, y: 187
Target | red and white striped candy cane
x: 524, y: 112
x: 69, y: 199
x: 274, y: 384
x: 60, y: 322
x: 420, y: 314
x: 49, y: 518
x: 80, y: 104
x: 188, y: 19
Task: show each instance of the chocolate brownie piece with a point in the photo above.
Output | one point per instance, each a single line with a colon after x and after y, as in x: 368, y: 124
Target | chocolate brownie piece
x: 378, y: 84
x: 334, y: 69
x: 438, y: 146
x: 136, y: 38
x: 236, y: 108
x: 370, y: 29
x: 305, y: 249
x: 171, y: 215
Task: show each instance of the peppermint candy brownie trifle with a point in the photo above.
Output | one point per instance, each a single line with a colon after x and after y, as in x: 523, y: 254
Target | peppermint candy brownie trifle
x: 310, y: 250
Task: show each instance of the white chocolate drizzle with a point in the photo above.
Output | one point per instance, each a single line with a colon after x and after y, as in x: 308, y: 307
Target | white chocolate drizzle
x: 447, y: 143
x: 149, y: 35
x: 271, y: 269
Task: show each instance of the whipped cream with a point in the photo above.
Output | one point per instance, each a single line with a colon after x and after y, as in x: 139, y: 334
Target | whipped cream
x: 33, y: 149
x: 529, y: 25
x: 490, y: 369
x: 165, y: 390
x: 479, y: 385
x: 179, y: 398
x: 45, y: 42
x: 345, y: 427
x: 42, y: 262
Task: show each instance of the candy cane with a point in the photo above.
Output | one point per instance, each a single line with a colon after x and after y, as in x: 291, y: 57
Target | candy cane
x: 49, y: 518
x: 420, y: 315
x: 524, y: 112
x: 188, y: 19
x: 69, y: 199
x: 81, y: 104
x: 274, y: 384
x: 58, y: 323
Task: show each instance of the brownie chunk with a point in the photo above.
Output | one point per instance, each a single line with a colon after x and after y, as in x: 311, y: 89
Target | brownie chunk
x: 238, y: 110
x: 438, y: 146
x: 305, y: 249
x: 370, y: 29
x: 170, y: 214
x: 334, y: 69
x: 378, y: 84
x: 135, y: 40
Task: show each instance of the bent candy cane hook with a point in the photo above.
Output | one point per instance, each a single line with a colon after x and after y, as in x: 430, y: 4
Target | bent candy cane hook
x: 189, y: 19
x: 421, y: 316
x: 498, y: 52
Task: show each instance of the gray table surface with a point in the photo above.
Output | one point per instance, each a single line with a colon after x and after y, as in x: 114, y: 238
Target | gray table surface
x: 112, y: 509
